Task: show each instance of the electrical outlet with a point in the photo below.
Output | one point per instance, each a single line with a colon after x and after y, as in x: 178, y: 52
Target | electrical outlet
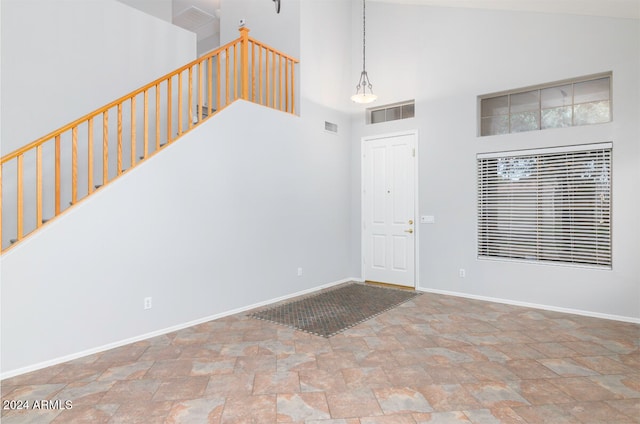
x: 147, y: 303
x: 299, y: 272
x: 462, y: 273
x: 242, y: 22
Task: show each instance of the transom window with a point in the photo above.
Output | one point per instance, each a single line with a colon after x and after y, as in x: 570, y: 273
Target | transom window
x: 392, y: 112
x: 581, y: 101
x: 548, y: 205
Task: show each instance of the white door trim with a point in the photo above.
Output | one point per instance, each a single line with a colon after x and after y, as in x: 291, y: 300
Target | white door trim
x: 416, y: 251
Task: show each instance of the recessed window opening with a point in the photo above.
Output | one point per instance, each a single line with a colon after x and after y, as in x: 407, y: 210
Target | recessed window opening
x: 580, y: 101
x: 547, y: 205
x: 391, y: 112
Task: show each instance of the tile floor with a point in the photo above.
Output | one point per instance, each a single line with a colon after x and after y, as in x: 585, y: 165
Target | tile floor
x: 434, y: 359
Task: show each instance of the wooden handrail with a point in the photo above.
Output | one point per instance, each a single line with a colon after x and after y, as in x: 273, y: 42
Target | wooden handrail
x: 273, y: 86
x: 108, y: 106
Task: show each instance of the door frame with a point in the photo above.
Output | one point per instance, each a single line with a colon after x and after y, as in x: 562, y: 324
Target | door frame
x: 416, y: 244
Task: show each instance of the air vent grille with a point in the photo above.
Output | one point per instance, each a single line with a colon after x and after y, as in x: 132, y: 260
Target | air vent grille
x: 196, y: 20
x: 330, y: 127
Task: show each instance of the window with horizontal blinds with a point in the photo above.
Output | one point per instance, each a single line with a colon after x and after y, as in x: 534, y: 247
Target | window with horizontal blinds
x: 549, y: 205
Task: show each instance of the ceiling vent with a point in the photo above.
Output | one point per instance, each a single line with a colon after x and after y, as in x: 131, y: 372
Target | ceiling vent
x: 196, y: 20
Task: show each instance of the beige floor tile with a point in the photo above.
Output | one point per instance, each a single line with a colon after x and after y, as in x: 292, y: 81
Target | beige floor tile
x: 279, y: 382
x: 435, y: 359
x: 301, y: 407
x: 353, y: 404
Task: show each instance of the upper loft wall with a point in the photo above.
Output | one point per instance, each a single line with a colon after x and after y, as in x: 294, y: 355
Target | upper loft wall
x: 316, y: 32
x: 325, y: 44
x: 61, y: 59
x: 278, y: 30
x: 162, y: 9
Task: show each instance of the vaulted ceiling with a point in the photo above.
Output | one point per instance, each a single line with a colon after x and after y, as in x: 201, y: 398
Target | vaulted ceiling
x: 611, y: 8
x: 203, y: 16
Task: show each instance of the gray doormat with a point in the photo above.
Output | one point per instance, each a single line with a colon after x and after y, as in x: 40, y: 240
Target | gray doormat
x: 335, y: 310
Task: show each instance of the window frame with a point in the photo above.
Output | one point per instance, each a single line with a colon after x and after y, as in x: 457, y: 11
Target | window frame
x: 539, y: 110
x: 491, y: 233
x: 401, y: 107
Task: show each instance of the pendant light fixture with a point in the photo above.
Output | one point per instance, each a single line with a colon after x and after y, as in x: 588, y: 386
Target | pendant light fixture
x: 364, y: 89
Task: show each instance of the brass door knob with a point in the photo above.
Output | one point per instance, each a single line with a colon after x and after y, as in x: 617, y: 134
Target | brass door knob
x: 410, y: 231
x: 411, y: 222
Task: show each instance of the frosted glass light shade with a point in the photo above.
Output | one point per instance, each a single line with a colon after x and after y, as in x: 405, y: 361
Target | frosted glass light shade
x: 364, y: 98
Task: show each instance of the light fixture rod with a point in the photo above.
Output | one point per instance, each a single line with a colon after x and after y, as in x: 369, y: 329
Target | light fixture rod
x: 364, y: 36
x: 361, y: 95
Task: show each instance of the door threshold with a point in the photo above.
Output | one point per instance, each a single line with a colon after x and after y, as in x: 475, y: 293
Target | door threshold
x: 389, y: 285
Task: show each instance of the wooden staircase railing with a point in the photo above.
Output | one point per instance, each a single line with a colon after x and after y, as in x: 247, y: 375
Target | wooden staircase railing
x: 41, y: 180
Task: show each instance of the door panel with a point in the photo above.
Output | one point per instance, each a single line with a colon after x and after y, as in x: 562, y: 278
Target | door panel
x: 400, y: 253
x: 379, y: 251
x: 379, y: 158
x: 388, y: 209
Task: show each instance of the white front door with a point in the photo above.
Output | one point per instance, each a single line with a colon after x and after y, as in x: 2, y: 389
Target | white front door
x: 388, y: 209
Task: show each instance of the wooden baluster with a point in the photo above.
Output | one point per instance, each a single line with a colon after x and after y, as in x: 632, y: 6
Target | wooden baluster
x: 267, y: 85
x: 90, y: 156
x: 180, y: 104
x: 280, y: 74
x: 273, y: 78
x: 253, y: 72
x: 74, y: 165
x: 169, y: 117
x: 286, y: 84
x: 145, y: 133
x: 227, y: 76
x: 260, y: 83
x: 210, y: 85
x: 57, y: 172
x: 293, y: 87
x: 200, y: 93
x: 235, y: 71
x: 218, y: 83
x: 134, y: 142
x: 190, y: 98
x: 19, y: 224
x: 39, y: 186
x: 244, y: 61
x: 119, y: 153
x: 105, y: 147
x: 157, y: 117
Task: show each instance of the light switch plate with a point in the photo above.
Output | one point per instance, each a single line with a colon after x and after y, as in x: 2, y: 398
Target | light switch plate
x: 427, y: 219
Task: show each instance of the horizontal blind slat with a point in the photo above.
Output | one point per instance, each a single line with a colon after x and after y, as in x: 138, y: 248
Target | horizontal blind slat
x: 548, y: 206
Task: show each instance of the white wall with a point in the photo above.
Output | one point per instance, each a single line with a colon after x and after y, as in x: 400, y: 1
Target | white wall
x: 219, y: 220
x: 325, y: 49
x: 445, y: 58
x: 62, y: 59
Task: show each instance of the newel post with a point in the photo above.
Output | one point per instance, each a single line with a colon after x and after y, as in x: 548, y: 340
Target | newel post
x: 244, y: 61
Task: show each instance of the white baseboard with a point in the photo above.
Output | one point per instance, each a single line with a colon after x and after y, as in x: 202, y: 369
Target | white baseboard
x: 156, y: 333
x: 533, y: 305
